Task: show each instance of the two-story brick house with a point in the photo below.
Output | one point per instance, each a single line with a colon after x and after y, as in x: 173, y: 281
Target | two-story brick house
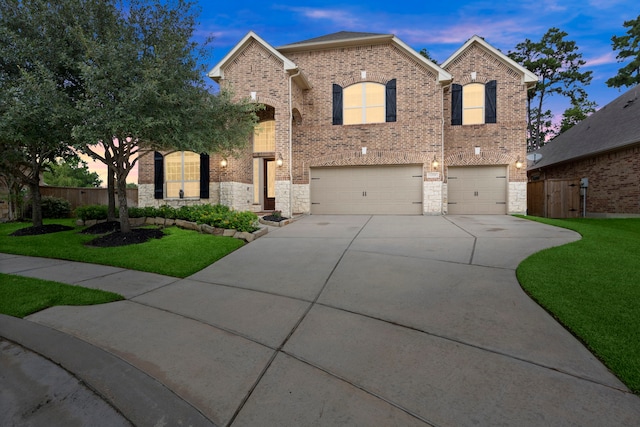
x: 360, y: 123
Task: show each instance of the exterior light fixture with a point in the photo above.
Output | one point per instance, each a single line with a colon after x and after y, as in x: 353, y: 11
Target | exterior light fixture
x: 518, y: 163
x: 279, y: 161
x: 223, y: 163
x: 434, y: 163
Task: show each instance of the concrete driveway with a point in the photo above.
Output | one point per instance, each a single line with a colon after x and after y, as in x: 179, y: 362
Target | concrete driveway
x: 334, y: 320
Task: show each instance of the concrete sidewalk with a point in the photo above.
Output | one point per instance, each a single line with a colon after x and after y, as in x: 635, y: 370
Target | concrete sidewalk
x: 333, y: 320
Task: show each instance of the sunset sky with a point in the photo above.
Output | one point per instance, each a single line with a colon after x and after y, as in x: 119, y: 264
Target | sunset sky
x: 440, y: 27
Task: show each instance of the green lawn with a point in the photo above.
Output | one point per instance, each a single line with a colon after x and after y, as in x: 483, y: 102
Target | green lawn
x: 21, y: 296
x: 592, y: 286
x: 179, y: 253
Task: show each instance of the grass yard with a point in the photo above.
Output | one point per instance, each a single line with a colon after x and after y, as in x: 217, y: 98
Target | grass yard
x: 179, y: 253
x: 21, y: 296
x: 592, y: 286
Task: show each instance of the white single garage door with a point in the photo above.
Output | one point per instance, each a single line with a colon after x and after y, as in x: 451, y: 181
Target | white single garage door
x: 369, y: 190
x: 477, y: 190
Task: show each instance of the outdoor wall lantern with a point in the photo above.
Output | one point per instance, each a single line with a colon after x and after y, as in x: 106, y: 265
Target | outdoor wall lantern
x: 518, y: 163
x: 435, y: 163
x: 223, y: 163
x: 279, y: 161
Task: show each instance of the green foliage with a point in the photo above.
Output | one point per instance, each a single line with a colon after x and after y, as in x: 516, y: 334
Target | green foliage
x: 557, y: 63
x: 628, y: 48
x: 179, y: 253
x: 71, y: 173
x: 580, y: 109
x: 592, y: 287
x: 53, y: 207
x: 21, y: 296
x: 135, y: 212
x: 92, y: 212
x: 424, y: 52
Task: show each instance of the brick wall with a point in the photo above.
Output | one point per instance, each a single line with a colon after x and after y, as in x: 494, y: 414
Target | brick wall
x: 503, y: 141
x: 614, y: 180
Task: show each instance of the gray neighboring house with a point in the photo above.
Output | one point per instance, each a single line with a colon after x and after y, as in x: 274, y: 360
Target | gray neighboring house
x: 593, y: 169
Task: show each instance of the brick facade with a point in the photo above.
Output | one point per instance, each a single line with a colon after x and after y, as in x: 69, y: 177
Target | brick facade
x: 421, y: 133
x: 614, y: 180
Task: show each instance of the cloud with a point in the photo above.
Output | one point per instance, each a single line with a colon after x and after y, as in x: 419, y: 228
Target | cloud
x: 339, y: 17
x: 606, y: 59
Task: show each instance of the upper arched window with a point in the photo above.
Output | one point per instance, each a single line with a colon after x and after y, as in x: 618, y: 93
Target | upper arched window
x: 182, y: 174
x: 364, y: 103
x: 264, y: 137
x: 473, y: 103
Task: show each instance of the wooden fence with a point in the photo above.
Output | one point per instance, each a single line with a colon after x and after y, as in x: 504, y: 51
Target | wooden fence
x: 554, y: 198
x: 87, y: 196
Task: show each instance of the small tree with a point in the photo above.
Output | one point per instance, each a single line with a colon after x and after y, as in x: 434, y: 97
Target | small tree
x: 557, y: 63
x: 72, y: 172
x: 580, y: 109
x: 628, y: 48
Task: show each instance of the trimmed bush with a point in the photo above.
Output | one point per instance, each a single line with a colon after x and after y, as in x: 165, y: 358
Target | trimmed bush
x: 91, y: 212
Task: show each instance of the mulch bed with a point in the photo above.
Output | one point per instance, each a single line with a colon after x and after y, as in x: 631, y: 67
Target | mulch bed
x: 102, y: 228
x: 274, y: 218
x: 42, y: 229
x: 118, y: 238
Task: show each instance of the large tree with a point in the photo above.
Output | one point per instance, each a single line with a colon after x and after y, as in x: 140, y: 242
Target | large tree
x: 556, y: 61
x: 72, y: 172
x: 144, y: 89
x: 628, y: 48
x: 37, y: 86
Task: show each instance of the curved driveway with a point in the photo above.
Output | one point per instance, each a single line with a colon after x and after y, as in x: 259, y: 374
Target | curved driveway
x: 336, y: 320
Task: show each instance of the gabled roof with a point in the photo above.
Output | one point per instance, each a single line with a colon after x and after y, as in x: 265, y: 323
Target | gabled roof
x: 614, y: 126
x: 217, y: 72
x: 528, y: 78
x: 348, y: 38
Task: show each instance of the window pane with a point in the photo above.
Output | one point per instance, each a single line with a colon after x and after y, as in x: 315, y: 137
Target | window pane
x: 173, y: 189
x: 173, y: 166
x: 264, y: 137
x: 192, y: 189
x: 191, y: 166
x: 375, y: 115
x: 374, y: 94
x: 352, y: 116
x: 352, y: 96
x: 271, y: 179
x: 474, y: 116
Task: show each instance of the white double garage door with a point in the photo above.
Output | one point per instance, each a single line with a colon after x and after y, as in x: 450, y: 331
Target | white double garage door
x: 398, y: 190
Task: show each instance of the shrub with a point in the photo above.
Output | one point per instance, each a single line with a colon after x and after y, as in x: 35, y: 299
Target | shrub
x: 90, y: 212
x: 244, y: 221
x: 55, y: 207
x: 136, y: 212
x: 166, y: 211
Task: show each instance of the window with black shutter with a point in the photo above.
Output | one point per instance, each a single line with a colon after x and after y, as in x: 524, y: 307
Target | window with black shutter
x: 337, y: 104
x: 390, y: 101
x: 204, y: 176
x: 490, y: 95
x: 158, y: 175
x: 456, y: 104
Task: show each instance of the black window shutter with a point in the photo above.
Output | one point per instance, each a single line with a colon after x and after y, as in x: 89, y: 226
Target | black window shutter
x: 390, y: 101
x: 456, y: 104
x: 204, y: 176
x: 337, y: 104
x: 490, y: 96
x: 158, y: 175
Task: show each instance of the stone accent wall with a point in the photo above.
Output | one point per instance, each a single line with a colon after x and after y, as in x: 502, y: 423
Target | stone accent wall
x: 614, y: 180
x: 517, y: 198
x: 283, y: 204
x: 301, y: 198
x: 236, y: 195
x: 432, y: 198
x: 146, y: 197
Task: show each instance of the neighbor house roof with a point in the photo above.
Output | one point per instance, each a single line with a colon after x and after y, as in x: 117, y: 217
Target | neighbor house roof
x: 217, y: 72
x: 349, y: 38
x: 614, y: 126
x: 528, y: 78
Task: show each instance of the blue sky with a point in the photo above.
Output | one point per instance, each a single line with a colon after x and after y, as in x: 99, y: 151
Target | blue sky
x: 441, y: 27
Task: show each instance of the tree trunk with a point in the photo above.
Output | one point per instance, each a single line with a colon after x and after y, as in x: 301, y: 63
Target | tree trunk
x: 36, y: 204
x: 111, y: 193
x: 125, y: 227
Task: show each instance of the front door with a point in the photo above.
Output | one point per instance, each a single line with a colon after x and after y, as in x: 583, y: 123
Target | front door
x: 269, y: 180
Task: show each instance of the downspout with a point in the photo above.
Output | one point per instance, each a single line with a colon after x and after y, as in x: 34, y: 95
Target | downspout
x: 291, y: 143
x: 442, y: 145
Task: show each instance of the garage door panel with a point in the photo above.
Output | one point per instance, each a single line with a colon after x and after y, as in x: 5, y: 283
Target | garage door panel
x: 477, y: 190
x: 367, y: 190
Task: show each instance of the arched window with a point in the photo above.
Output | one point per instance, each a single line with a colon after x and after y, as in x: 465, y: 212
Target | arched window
x: 364, y: 103
x: 182, y: 173
x: 473, y: 104
x: 264, y: 137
